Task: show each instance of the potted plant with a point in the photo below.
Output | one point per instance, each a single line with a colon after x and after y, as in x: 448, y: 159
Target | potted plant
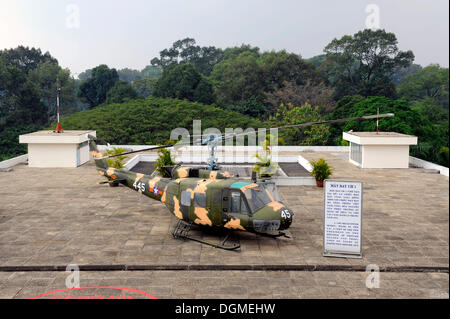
x: 321, y: 171
x: 265, y: 167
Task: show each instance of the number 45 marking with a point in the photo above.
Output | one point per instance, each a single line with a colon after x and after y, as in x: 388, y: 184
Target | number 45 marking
x: 285, y: 213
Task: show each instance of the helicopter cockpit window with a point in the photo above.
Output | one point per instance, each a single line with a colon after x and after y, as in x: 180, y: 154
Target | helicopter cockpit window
x: 237, y: 203
x: 257, y: 198
x: 243, y: 206
x: 186, y: 198
x: 273, y: 191
x: 199, y: 200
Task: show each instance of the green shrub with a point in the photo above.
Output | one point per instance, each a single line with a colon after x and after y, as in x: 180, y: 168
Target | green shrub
x: 321, y: 170
x: 118, y: 161
x: 150, y: 121
x: 164, y: 159
x: 266, y: 167
x: 344, y: 143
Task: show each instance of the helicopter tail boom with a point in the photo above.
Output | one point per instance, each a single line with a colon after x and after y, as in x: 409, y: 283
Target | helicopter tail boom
x: 99, y: 161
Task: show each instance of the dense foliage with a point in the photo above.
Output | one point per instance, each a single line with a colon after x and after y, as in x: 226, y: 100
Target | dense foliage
x: 248, y: 75
x: 93, y: 90
x: 290, y: 114
x: 430, y: 82
x: 186, y: 51
x: 117, y: 161
x: 120, y: 92
x: 363, y: 64
x: 239, y: 86
x: 183, y: 81
x: 151, y: 120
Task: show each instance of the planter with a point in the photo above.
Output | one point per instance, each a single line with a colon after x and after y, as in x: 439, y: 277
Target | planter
x: 319, y: 183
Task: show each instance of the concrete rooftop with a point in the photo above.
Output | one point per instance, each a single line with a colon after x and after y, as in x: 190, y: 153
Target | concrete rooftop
x: 55, y: 217
x: 379, y: 134
x: 52, y: 133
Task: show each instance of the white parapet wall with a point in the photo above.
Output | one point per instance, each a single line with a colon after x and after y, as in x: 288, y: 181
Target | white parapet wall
x: 13, y: 161
x: 417, y: 162
x: 281, y: 158
x: 236, y: 149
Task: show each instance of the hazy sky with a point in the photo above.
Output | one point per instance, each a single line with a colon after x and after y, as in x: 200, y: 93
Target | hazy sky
x: 130, y: 33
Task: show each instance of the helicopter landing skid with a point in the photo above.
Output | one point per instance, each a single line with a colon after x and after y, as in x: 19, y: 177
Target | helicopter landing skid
x: 182, y: 231
x: 280, y: 234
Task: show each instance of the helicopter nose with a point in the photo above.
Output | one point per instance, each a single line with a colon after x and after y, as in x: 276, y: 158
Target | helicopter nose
x: 285, y: 218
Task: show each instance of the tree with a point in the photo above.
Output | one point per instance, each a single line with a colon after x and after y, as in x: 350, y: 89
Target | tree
x: 238, y: 79
x: 129, y: 75
x: 83, y: 76
x: 278, y: 67
x: 363, y: 64
x: 249, y: 75
x: 20, y: 102
x: 251, y: 106
x: 21, y: 108
x: 26, y: 58
x: 290, y: 114
x: 144, y: 87
x: 186, y: 51
x: 233, y: 52
x: 319, y: 96
x: 400, y: 73
x: 182, y: 82
x: 204, y: 92
x: 434, y: 113
x: 94, y: 89
x: 49, y: 76
x: 151, y: 71
x: 121, y: 91
x: 430, y: 82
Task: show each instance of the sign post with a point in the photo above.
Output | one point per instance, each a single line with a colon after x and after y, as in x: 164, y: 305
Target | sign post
x: 342, y: 231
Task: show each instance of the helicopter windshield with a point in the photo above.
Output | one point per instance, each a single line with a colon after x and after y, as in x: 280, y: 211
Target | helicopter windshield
x: 257, y: 198
x: 273, y: 191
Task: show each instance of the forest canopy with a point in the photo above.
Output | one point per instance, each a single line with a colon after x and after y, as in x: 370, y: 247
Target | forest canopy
x: 240, y: 86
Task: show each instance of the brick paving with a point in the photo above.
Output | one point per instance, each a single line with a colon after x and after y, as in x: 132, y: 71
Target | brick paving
x: 232, y: 284
x: 61, y: 216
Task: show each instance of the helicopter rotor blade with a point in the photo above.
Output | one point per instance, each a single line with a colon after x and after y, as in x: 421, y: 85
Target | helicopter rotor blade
x: 224, y: 137
x: 367, y: 117
x: 146, y: 149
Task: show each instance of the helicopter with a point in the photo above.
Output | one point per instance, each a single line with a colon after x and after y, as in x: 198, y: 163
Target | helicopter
x: 208, y: 197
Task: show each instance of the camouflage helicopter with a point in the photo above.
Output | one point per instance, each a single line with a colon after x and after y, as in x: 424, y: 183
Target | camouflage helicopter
x: 208, y: 197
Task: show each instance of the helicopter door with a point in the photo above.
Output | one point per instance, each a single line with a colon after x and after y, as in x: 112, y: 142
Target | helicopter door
x: 233, y: 202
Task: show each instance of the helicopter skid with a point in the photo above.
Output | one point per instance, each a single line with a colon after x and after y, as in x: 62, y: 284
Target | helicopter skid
x: 279, y: 234
x: 182, y: 231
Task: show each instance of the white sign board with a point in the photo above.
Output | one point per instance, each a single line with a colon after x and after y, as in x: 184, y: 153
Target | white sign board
x: 342, y: 231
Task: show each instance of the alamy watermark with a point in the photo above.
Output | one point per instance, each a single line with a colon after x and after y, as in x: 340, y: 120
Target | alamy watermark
x: 73, y: 16
x: 373, y: 18
x: 73, y: 279
x: 373, y: 279
x: 235, y: 145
